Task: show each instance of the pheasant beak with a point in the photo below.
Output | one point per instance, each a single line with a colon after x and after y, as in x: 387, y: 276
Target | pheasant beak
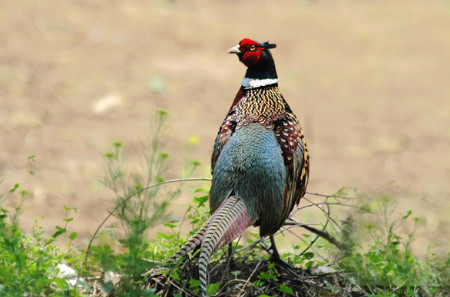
x: 234, y: 50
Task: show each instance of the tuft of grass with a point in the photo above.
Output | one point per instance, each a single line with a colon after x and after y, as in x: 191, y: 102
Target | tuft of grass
x: 381, y: 260
x: 30, y: 264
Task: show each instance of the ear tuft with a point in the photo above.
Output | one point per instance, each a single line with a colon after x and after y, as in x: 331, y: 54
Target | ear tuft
x: 268, y: 45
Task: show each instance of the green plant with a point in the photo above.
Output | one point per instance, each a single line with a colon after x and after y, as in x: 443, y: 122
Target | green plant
x: 386, y: 266
x: 269, y: 275
x: 140, y: 204
x: 29, y: 265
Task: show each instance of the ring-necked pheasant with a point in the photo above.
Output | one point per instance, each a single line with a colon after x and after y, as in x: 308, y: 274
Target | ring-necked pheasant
x: 260, y: 163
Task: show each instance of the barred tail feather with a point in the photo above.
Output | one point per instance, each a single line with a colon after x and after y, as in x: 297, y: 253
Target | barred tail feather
x: 227, y: 223
x: 195, y: 241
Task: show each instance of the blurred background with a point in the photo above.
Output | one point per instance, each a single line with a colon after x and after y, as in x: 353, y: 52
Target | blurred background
x: 369, y: 81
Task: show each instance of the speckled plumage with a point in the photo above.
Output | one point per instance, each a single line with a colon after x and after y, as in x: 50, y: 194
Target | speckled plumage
x: 260, y: 155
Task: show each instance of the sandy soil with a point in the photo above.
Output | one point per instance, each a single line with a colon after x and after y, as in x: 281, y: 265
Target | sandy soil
x: 369, y: 80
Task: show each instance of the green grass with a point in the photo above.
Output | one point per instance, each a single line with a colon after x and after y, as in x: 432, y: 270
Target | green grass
x: 381, y: 260
x: 29, y: 263
x: 377, y: 255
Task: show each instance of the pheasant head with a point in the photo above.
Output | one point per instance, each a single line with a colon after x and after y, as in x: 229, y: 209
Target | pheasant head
x: 259, y: 61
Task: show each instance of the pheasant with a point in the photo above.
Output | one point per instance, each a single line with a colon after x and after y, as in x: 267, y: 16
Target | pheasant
x: 260, y: 162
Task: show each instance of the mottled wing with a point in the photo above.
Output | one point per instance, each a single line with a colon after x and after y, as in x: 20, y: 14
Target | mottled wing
x: 226, y: 130
x: 296, y: 158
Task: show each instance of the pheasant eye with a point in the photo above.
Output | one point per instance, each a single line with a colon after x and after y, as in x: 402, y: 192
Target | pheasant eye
x: 252, y: 47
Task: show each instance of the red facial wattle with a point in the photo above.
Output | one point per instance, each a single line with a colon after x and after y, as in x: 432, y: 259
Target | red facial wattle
x: 251, y: 58
x: 251, y: 51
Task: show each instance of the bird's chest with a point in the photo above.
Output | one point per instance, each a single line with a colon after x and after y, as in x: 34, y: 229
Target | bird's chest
x: 252, y: 147
x: 250, y: 166
x: 254, y: 110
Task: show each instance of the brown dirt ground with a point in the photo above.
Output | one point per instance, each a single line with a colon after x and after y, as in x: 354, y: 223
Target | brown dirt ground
x: 369, y: 80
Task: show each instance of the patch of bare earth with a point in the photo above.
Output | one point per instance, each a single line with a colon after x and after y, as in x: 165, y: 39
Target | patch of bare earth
x: 368, y: 80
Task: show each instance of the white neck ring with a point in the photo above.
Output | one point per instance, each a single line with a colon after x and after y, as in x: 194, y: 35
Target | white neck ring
x: 251, y: 83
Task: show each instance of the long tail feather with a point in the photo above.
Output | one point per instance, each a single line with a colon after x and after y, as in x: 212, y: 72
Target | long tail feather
x: 191, y: 244
x: 227, y: 223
